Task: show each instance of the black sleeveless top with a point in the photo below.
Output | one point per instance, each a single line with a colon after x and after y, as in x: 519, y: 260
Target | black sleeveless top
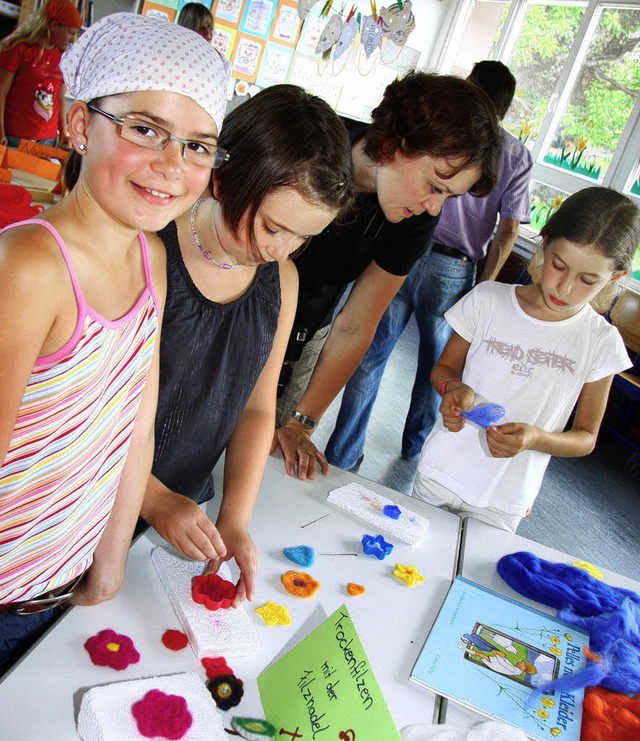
x: 210, y: 358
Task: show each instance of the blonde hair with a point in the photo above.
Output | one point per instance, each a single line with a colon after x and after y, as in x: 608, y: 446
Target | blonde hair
x: 34, y: 30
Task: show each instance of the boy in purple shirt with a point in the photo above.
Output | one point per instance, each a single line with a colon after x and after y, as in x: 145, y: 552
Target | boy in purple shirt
x: 438, y: 279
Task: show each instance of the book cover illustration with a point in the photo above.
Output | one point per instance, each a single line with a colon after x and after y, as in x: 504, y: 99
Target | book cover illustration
x: 491, y: 653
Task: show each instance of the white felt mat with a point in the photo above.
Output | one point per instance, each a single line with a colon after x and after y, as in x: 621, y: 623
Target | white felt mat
x: 365, y: 504
x: 105, y: 712
x: 227, y: 632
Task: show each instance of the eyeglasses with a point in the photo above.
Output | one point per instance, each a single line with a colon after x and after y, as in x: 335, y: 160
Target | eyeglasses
x: 148, y: 135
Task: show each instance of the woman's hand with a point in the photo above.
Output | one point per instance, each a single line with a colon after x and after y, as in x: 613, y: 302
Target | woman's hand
x: 241, y: 547
x: 459, y: 399
x: 183, y: 524
x: 508, y: 440
x: 300, y: 454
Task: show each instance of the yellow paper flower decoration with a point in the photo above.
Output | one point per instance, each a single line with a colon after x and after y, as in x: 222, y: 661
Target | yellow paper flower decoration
x: 581, y: 144
x: 548, y: 702
x: 543, y: 713
x: 555, y: 731
x: 274, y: 614
x: 556, y: 202
x: 555, y: 639
x: 408, y: 574
x: 555, y: 651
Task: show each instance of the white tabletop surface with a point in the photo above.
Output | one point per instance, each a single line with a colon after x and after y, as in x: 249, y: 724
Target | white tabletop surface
x: 44, y: 690
x: 482, y: 547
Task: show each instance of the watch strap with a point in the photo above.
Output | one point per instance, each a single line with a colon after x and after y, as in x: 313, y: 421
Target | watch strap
x: 305, y: 421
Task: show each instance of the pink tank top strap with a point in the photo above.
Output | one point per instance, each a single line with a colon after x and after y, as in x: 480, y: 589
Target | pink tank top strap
x: 144, y: 246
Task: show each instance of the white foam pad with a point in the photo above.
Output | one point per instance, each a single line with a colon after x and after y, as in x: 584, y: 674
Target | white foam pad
x: 105, y: 712
x: 365, y: 504
x: 225, y: 632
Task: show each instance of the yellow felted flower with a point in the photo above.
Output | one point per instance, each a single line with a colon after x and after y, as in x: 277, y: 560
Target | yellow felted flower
x: 408, y: 574
x: 274, y: 614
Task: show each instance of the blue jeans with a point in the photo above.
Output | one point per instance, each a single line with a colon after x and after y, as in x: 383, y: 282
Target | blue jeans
x: 434, y: 284
x: 13, y: 141
x: 19, y: 632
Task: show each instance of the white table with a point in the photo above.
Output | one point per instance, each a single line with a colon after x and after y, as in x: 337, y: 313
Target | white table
x: 482, y: 547
x: 43, y: 692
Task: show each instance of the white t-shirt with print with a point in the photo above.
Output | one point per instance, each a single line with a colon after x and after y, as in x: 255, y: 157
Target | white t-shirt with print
x: 536, y: 369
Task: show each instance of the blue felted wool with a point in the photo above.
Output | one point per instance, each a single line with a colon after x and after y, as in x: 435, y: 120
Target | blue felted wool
x: 610, y: 615
x: 485, y: 415
x: 303, y: 555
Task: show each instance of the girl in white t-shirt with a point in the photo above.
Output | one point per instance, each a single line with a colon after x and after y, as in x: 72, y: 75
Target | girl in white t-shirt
x: 538, y: 350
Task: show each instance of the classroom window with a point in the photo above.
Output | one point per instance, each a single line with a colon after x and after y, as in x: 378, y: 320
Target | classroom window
x: 577, y: 104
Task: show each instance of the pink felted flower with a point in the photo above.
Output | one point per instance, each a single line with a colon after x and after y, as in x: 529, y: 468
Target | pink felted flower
x: 213, y: 591
x: 159, y: 714
x: 108, y: 648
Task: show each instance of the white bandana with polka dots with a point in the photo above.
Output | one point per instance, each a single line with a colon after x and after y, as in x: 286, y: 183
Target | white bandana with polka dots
x: 126, y: 52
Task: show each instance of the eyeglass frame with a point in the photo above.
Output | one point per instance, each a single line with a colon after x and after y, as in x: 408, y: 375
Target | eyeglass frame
x: 120, y: 120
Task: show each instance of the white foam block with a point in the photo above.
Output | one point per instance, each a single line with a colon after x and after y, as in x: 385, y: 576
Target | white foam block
x: 225, y: 632
x: 105, y: 712
x: 365, y: 504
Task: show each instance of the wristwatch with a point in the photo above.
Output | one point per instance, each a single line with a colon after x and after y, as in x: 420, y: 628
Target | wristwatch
x: 305, y: 421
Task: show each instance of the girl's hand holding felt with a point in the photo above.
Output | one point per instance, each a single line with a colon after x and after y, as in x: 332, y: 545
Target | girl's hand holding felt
x: 241, y: 547
x: 460, y: 398
x: 294, y: 440
x: 508, y: 440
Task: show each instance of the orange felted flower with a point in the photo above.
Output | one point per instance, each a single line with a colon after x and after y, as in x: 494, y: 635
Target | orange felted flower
x: 300, y: 584
x: 355, y: 590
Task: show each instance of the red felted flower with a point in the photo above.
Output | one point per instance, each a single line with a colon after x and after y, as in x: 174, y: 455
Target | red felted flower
x: 216, y: 667
x: 174, y: 639
x: 213, y: 591
x: 108, y: 648
x: 159, y: 714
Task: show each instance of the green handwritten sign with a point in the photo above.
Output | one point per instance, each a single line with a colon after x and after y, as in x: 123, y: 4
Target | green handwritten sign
x: 324, y: 688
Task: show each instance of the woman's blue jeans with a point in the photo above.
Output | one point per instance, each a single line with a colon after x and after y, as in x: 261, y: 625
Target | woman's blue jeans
x: 434, y: 284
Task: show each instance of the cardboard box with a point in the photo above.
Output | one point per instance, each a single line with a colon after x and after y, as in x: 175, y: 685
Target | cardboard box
x: 16, y: 160
x: 43, y: 151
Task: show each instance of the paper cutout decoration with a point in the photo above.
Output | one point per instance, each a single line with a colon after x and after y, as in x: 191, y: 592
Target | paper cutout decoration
x: 371, y: 35
x: 304, y: 6
x: 348, y: 34
x: 397, y: 22
x: 330, y: 34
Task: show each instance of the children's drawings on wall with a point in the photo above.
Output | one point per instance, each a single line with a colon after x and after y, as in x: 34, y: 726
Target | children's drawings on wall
x: 286, y: 25
x: 257, y: 17
x: 275, y: 64
x: 246, y: 58
x: 224, y: 38
x: 227, y: 10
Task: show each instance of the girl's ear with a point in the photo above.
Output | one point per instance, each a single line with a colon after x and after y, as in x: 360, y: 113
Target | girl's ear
x: 617, y: 276
x: 78, y: 124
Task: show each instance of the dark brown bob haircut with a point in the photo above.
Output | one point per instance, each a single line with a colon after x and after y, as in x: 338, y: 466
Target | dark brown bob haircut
x: 443, y: 116
x: 283, y: 137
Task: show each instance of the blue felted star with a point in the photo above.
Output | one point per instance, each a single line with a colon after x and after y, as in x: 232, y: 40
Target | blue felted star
x: 376, y: 546
x: 303, y: 555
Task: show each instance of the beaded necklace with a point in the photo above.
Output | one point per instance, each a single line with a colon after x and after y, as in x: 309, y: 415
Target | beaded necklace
x: 205, y: 253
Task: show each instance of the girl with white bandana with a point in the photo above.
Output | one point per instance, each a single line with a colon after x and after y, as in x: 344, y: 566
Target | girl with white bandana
x: 81, y: 297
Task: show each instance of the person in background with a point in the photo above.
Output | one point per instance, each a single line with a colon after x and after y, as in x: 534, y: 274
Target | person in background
x: 432, y: 137
x: 197, y: 17
x: 32, y: 104
x: 539, y: 350
x: 231, y: 297
x: 81, y: 297
x: 440, y: 277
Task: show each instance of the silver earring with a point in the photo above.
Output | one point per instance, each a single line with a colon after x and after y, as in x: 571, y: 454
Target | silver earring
x: 82, y: 148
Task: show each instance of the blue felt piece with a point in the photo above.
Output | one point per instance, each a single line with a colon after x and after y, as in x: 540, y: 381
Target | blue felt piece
x: 392, y: 511
x: 376, y: 546
x: 303, y: 555
x: 485, y: 415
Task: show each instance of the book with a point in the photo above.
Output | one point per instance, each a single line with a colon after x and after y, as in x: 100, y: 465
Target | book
x: 491, y: 653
